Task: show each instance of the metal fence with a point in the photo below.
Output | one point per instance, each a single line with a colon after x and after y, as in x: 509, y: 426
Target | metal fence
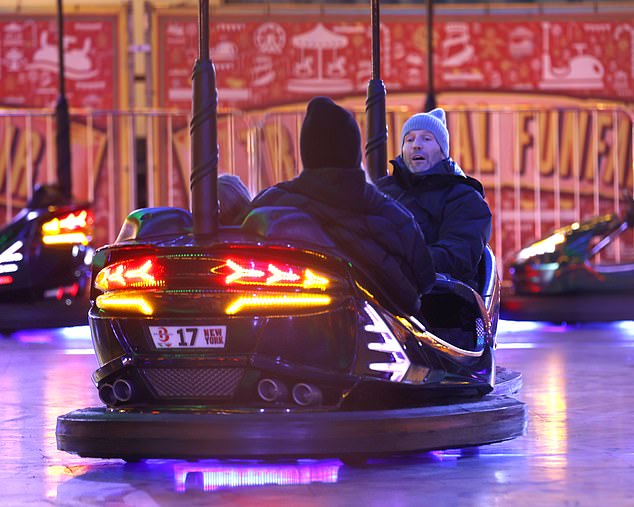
x: 541, y: 167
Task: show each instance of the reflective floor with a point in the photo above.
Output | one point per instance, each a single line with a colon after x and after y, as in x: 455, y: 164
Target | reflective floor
x: 578, y: 451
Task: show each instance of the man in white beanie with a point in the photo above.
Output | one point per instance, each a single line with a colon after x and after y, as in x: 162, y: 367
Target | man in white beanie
x: 448, y: 205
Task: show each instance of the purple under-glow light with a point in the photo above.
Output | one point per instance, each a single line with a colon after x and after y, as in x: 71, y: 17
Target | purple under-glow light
x: 217, y: 476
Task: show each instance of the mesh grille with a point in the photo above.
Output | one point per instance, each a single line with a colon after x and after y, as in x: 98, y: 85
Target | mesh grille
x: 194, y: 382
x: 480, y: 331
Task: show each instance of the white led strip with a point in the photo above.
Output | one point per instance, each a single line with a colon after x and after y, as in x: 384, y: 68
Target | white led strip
x: 398, y: 368
x: 9, y: 257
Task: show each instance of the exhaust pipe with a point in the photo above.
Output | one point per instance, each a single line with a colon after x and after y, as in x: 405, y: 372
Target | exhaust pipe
x: 306, y: 395
x: 122, y: 390
x: 271, y: 390
x: 106, y: 394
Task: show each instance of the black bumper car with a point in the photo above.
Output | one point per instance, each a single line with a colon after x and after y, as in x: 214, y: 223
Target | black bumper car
x: 45, y: 259
x: 558, y: 278
x: 265, y: 341
x: 251, y: 344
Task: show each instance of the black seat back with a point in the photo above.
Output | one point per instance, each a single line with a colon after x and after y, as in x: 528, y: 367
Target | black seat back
x: 286, y: 223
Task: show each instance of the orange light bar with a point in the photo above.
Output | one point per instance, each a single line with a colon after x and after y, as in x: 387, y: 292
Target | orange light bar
x: 66, y: 238
x: 274, y: 276
x: 286, y: 300
x: 123, y: 302
x: 143, y: 273
x: 70, y: 229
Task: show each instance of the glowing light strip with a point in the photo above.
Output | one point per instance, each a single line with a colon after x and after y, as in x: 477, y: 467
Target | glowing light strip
x: 547, y: 245
x: 277, y: 277
x: 288, y: 300
x: 398, y: 368
x: 69, y: 222
x: 73, y: 221
x: 119, y: 275
x: 66, y: 238
x: 314, y: 281
x: 228, y: 476
x: 142, y: 273
x: 240, y: 272
x: 115, y: 301
x: 8, y: 268
x: 11, y: 254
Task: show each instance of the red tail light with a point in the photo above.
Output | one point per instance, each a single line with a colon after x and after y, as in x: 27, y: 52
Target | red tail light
x: 71, y: 228
x: 270, y: 274
x: 138, y: 273
x: 6, y: 280
x: 252, y: 281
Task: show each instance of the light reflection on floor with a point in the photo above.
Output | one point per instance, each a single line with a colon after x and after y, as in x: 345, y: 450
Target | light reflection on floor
x: 579, y: 448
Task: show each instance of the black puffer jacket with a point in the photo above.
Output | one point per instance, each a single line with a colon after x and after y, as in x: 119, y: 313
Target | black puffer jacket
x: 451, y: 211
x: 376, y: 233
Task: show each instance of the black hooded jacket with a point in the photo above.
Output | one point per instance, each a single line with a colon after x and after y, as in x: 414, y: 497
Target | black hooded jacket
x: 375, y: 232
x: 450, y: 210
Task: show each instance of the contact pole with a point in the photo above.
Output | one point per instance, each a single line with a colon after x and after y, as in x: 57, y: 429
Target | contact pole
x: 62, y: 117
x: 376, y: 129
x: 430, y: 102
x: 204, y: 134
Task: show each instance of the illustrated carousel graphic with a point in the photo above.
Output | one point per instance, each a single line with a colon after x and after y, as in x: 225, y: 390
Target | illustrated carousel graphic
x: 320, y: 67
x: 262, y: 341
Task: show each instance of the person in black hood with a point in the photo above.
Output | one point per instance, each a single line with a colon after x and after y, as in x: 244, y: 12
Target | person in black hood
x: 449, y: 206
x: 378, y: 235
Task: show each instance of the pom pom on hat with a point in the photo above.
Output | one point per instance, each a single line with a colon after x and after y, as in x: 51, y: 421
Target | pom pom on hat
x: 330, y: 136
x: 435, y: 122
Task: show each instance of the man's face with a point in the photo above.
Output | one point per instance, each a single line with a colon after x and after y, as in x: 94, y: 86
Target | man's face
x: 421, y: 151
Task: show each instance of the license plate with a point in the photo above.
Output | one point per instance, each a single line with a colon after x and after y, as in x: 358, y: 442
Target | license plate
x: 197, y: 337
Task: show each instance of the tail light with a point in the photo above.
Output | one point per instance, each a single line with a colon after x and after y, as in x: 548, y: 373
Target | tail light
x: 141, y: 273
x: 69, y: 229
x: 6, y: 280
x: 247, y: 282
x: 269, y: 274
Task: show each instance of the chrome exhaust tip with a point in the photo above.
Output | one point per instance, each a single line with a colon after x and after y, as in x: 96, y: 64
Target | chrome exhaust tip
x: 106, y: 394
x: 271, y: 390
x: 306, y: 395
x: 122, y: 390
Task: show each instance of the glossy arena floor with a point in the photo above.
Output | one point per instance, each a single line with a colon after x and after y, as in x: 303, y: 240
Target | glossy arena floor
x: 578, y: 450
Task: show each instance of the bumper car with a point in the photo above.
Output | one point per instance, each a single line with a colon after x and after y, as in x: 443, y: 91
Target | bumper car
x: 558, y: 278
x: 45, y: 251
x: 265, y: 341
x: 45, y: 264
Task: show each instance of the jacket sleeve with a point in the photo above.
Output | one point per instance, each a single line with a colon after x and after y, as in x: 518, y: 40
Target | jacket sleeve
x: 417, y: 262
x: 463, y: 234
x: 420, y: 257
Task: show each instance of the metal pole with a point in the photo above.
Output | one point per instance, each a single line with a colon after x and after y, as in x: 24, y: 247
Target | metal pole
x: 376, y: 146
x: 62, y: 118
x: 204, y: 134
x: 430, y: 102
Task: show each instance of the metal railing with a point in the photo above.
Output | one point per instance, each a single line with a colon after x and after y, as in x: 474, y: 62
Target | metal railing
x: 541, y: 167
